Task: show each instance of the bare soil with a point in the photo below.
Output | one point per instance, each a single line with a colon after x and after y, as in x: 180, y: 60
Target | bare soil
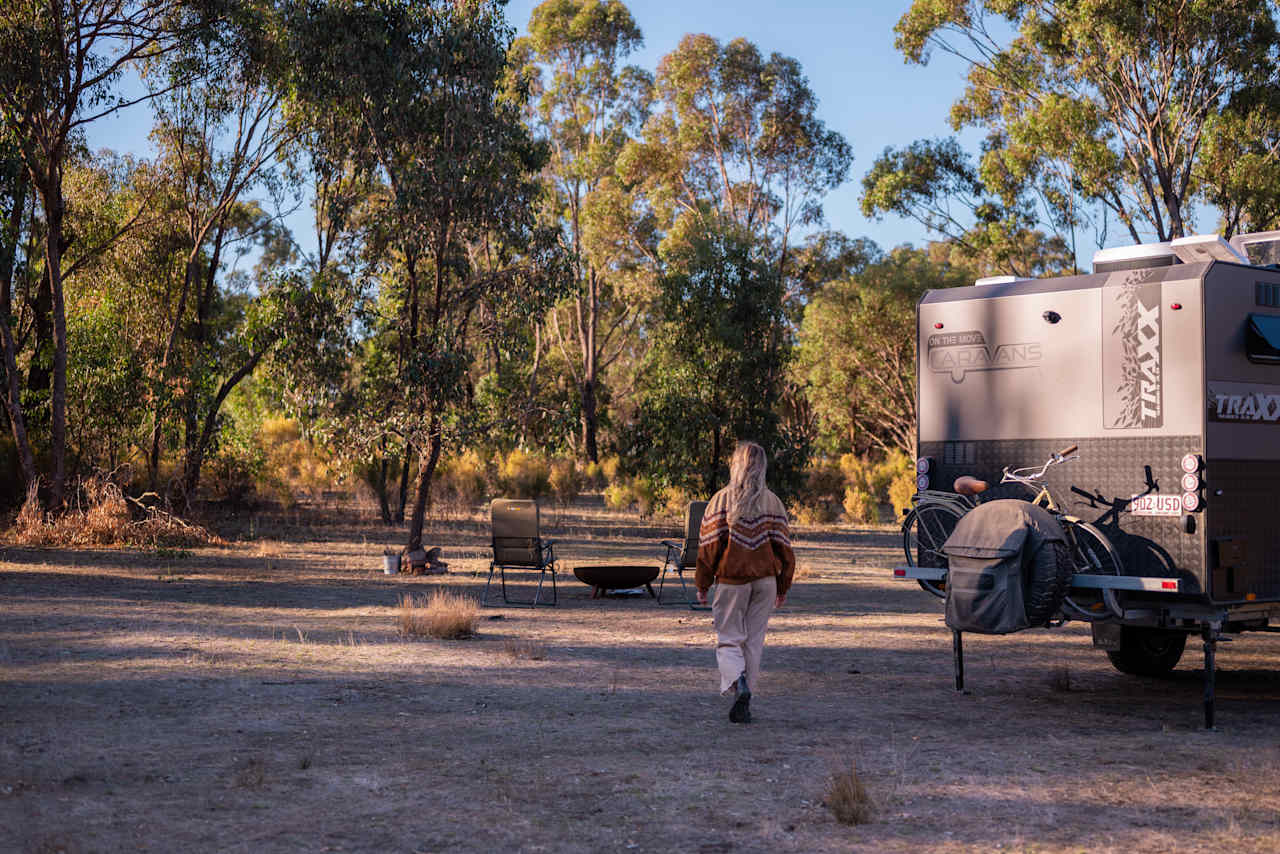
x: 258, y: 698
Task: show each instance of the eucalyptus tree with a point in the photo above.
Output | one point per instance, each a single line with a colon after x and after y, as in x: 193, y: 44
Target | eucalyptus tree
x: 222, y: 140
x: 716, y: 370
x: 734, y: 140
x: 856, y: 350
x: 588, y: 105
x: 415, y: 95
x: 61, y: 62
x: 14, y: 266
x: 1107, y: 105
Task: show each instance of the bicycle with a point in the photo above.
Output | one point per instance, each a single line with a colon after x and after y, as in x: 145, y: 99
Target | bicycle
x: 936, y: 512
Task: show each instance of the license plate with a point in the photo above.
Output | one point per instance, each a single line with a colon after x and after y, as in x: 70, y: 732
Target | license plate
x: 1156, y: 505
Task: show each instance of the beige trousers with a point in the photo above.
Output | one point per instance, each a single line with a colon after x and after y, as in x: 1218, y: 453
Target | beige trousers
x: 741, y: 614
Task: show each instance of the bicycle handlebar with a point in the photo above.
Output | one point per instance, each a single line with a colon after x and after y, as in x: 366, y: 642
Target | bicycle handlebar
x: 1037, y: 472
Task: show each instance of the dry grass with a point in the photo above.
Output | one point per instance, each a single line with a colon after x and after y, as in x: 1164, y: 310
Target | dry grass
x: 101, y: 516
x: 1060, y: 678
x: 527, y: 650
x: 252, y: 774
x: 847, y: 797
x: 446, y: 616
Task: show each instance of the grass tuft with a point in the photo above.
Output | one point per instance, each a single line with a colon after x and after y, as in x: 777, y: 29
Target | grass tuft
x: 1060, y: 679
x: 847, y: 797
x: 525, y: 649
x: 447, y: 616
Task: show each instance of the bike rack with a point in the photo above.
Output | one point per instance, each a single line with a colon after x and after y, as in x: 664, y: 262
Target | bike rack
x: 1210, y: 629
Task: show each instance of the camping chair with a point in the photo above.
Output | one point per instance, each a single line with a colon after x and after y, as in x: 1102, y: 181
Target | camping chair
x: 682, y: 555
x: 518, y: 545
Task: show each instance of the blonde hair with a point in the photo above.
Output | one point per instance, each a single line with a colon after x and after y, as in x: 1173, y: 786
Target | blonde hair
x: 746, y: 479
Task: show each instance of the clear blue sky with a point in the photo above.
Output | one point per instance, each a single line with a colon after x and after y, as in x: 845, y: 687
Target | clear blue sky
x: 864, y: 88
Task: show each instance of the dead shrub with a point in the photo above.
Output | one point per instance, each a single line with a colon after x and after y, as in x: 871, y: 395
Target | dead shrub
x: 106, y: 515
x: 446, y: 616
x: 847, y: 797
x: 31, y: 528
x: 1060, y: 679
x: 527, y: 650
x: 101, y: 516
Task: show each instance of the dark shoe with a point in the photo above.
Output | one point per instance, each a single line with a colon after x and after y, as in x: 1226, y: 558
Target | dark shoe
x: 741, y: 711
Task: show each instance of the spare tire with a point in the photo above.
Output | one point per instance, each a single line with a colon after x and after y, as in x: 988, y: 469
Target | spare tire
x: 1048, y: 578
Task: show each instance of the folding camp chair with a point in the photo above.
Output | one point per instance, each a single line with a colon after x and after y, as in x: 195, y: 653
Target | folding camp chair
x: 682, y: 555
x: 518, y: 545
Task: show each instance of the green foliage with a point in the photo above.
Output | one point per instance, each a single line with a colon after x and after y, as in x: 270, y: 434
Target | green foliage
x: 715, y: 372
x: 1097, y: 104
x: 933, y: 181
x: 860, y: 506
x: 524, y: 475
x: 588, y: 104
x: 901, y: 490
x: 735, y: 142
x: 818, y: 502
x: 565, y: 481
x: 619, y: 495
x: 856, y: 351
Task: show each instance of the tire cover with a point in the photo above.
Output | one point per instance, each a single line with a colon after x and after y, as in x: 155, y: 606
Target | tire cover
x: 1010, y: 532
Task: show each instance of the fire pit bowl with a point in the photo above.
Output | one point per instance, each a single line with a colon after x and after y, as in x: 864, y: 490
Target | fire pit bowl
x: 607, y: 577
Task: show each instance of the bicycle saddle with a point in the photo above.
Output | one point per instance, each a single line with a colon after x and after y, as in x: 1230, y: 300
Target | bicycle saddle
x: 969, y: 485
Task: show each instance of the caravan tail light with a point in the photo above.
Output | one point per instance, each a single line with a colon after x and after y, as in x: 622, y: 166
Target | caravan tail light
x: 922, y: 482
x: 1190, y: 502
x: 924, y: 465
x: 1191, y: 463
x: 1190, y: 483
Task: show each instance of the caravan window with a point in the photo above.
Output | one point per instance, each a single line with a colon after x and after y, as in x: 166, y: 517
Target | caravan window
x: 1262, y: 339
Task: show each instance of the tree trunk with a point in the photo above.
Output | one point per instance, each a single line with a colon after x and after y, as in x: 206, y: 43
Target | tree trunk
x: 39, y: 374
x: 590, y: 365
x: 402, y: 497
x: 424, y: 487
x: 13, y: 387
x: 195, y: 452
x: 380, y: 485
x: 51, y: 197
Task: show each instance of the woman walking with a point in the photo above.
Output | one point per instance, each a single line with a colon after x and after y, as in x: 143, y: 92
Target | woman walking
x: 744, y: 545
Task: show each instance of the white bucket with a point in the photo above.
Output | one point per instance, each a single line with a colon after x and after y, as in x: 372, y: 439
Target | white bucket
x: 391, y: 564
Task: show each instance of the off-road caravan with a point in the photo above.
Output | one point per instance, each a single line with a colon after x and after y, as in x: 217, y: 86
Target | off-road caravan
x: 1150, y: 391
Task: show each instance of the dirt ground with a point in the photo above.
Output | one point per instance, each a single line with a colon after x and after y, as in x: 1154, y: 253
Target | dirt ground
x: 257, y: 698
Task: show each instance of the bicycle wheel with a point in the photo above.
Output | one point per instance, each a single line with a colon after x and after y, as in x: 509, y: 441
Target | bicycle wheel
x: 1093, y: 554
x: 924, y: 531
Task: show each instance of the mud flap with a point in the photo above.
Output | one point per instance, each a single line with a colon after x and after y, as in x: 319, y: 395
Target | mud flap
x: 1106, y: 635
